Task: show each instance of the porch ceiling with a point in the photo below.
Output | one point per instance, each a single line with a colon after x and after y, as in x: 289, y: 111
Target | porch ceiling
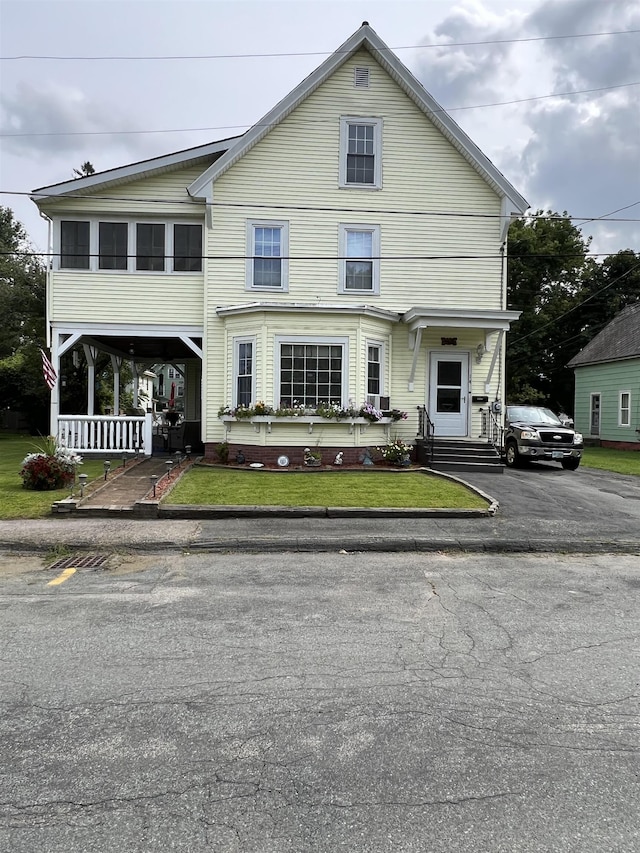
x: 151, y: 349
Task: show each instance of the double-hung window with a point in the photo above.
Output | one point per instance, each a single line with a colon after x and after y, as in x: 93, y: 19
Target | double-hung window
x: 360, y: 152
x: 74, y: 245
x: 268, y: 247
x: 374, y: 372
x: 113, y: 241
x: 624, y: 409
x: 244, y: 370
x: 311, y: 371
x: 359, y: 247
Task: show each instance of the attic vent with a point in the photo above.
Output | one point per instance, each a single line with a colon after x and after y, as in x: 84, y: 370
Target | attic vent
x: 361, y: 78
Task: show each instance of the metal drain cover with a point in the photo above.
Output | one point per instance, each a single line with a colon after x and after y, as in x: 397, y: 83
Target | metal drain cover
x: 80, y: 561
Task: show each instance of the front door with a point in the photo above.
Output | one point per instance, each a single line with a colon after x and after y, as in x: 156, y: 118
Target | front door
x: 448, y: 393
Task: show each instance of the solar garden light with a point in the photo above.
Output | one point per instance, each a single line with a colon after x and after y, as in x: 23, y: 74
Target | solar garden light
x: 107, y: 466
x: 178, y: 456
x: 187, y: 450
x: 154, y: 480
x: 83, y: 482
x: 124, y: 460
x: 169, y: 467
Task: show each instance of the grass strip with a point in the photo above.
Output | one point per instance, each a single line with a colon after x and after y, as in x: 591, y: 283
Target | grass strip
x: 212, y: 486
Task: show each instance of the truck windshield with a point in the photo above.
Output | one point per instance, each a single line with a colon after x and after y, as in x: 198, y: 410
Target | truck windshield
x: 532, y: 415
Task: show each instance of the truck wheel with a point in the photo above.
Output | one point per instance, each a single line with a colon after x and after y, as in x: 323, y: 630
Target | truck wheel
x: 512, y: 457
x: 570, y: 464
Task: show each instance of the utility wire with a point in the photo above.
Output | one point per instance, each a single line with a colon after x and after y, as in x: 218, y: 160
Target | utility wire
x: 307, y: 121
x: 432, y: 45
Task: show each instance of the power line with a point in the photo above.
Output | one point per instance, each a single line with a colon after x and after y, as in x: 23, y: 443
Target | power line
x: 314, y: 208
x: 432, y: 45
x: 309, y: 122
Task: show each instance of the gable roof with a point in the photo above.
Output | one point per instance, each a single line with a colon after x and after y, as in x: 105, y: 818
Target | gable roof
x: 618, y: 340
x: 365, y: 37
x: 137, y: 171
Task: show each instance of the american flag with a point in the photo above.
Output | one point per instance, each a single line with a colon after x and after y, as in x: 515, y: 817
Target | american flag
x: 48, y: 370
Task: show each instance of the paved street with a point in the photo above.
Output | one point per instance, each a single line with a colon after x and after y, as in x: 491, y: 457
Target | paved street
x: 289, y: 703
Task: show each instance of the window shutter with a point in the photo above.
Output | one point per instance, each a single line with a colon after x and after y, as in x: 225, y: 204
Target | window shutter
x: 361, y: 77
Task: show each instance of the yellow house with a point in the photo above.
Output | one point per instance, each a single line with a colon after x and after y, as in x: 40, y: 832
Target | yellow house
x: 342, y: 259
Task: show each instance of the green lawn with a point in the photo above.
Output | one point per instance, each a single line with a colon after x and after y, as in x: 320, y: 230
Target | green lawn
x: 620, y: 461
x: 218, y: 486
x: 17, y: 502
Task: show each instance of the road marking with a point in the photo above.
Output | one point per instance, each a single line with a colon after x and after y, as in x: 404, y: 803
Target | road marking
x: 62, y: 577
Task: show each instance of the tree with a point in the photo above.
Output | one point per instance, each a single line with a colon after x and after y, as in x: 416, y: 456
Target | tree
x: 85, y: 170
x: 547, y: 265
x: 22, y: 308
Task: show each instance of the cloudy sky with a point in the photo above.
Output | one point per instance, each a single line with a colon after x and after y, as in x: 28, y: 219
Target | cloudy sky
x: 116, y: 81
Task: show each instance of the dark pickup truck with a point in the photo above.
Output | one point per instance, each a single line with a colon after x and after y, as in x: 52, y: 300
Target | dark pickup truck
x: 535, y: 433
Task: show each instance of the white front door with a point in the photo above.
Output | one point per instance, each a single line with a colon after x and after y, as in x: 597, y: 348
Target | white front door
x: 449, y: 393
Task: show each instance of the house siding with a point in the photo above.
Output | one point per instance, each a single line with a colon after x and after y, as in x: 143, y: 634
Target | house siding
x: 608, y: 380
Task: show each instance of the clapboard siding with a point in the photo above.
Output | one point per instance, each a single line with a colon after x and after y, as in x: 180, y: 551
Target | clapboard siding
x: 608, y: 380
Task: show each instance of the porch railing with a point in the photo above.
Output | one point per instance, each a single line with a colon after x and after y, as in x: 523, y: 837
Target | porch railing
x: 492, y: 429
x: 106, y: 433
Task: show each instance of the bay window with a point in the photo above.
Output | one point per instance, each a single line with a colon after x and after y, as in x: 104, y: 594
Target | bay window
x: 310, y: 372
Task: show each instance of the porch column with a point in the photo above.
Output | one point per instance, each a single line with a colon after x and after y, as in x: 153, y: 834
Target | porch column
x: 116, y: 363
x: 54, y: 410
x: 90, y: 354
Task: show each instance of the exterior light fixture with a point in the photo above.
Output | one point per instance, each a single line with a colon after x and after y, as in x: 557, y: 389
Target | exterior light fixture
x: 83, y: 482
x: 154, y: 480
x: 107, y: 467
x: 169, y: 467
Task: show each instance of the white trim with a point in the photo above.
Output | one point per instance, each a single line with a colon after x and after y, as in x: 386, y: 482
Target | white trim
x: 462, y: 318
x: 365, y: 37
x: 318, y: 340
x: 283, y: 225
x: 374, y: 230
x: 442, y: 421
x: 302, y: 307
x: 627, y: 408
x: 243, y: 339
x: 135, y: 171
x: 345, y: 123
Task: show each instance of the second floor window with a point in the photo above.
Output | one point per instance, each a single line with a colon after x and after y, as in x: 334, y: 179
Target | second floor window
x: 360, y: 152
x: 267, y: 266
x: 74, y: 245
x: 359, y: 265
x: 187, y: 248
x: 112, y: 245
x: 150, y: 246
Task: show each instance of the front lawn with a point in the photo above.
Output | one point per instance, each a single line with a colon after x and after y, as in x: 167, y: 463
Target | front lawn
x: 18, y: 502
x: 606, y: 459
x: 211, y: 486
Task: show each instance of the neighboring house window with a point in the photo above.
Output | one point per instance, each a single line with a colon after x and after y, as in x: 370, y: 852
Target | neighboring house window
x: 74, y: 245
x: 113, y: 245
x: 624, y: 414
x: 312, y: 372
x: 187, y: 248
x: 171, y: 373
x: 360, y: 152
x: 180, y: 390
x: 244, y: 349
x: 150, y: 249
x: 268, y: 246
x: 374, y: 373
x: 359, y: 253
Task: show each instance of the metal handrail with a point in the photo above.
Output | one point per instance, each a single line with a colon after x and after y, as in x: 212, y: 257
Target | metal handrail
x: 426, y: 431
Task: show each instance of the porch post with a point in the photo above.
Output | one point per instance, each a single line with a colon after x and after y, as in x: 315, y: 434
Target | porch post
x: 116, y: 362
x: 54, y: 410
x: 90, y: 355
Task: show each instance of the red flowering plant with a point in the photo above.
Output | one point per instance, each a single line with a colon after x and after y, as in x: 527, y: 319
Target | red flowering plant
x: 51, y: 467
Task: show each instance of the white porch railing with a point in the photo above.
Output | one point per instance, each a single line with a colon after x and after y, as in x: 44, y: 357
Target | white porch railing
x: 106, y: 434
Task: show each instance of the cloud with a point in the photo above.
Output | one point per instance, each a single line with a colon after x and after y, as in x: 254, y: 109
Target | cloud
x: 45, y: 119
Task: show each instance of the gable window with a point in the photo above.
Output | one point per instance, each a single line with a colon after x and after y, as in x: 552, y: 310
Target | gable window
x: 624, y: 410
x: 187, y: 248
x: 244, y: 384
x: 359, y: 259
x: 374, y: 373
x: 268, y: 246
x: 150, y: 249
x: 74, y: 244
x: 361, y: 152
x: 311, y: 372
x: 113, y: 245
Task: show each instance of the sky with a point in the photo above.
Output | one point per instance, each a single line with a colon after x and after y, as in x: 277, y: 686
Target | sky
x: 117, y: 81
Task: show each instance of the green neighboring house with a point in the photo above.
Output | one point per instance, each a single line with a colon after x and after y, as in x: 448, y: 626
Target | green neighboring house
x: 607, y: 395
